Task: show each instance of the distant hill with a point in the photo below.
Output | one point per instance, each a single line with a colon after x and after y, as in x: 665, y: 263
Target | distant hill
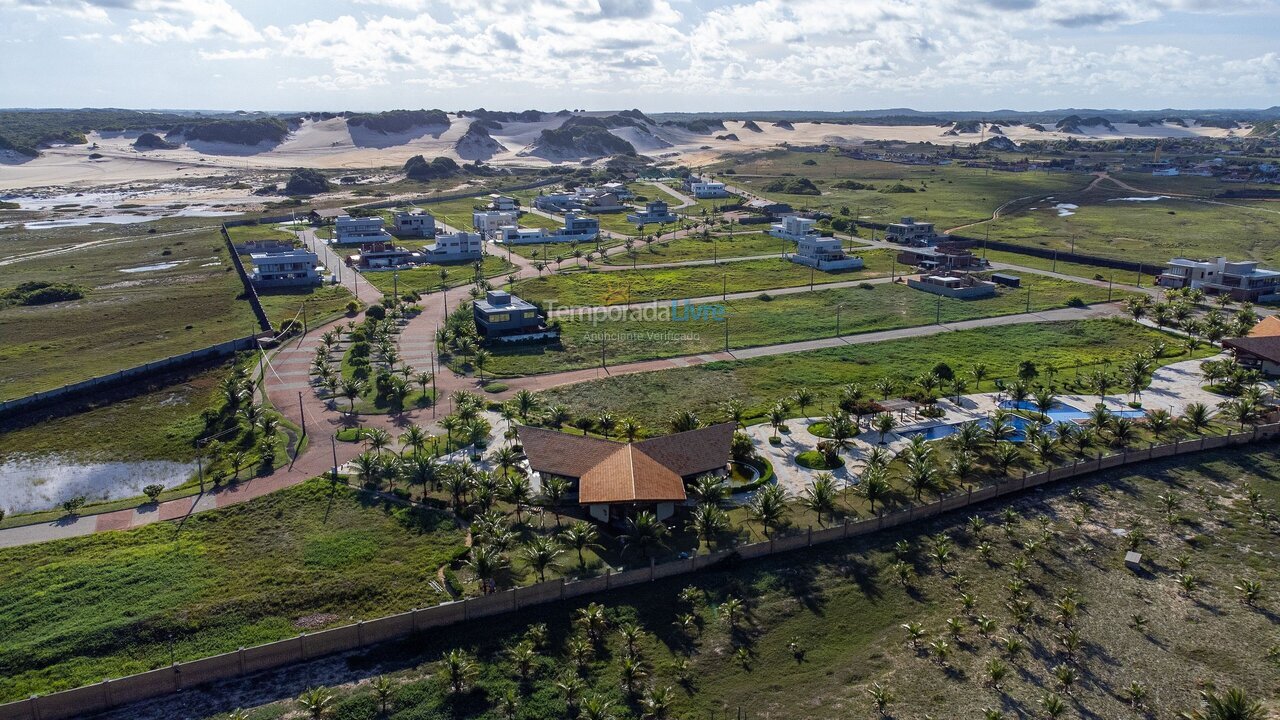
x: 418, y: 168
x: 398, y: 121
x: 503, y: 116
x: 477, y: 143
x: 580, y: 138
x: 152, y: 141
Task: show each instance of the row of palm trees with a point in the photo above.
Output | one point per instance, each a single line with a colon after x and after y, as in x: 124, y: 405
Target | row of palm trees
x: 1179, y: 309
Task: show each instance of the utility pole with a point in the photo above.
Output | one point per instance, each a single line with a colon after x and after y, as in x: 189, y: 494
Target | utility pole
x: 724, y: 286
x: 726, y: 334
x: 838, y: 307
x: 1055, y: 262
x: 302, y: 415
x: 333, y: 444
x: 304, y: 317
x: 810, y: 277
x: 937, y: 320
x: 1028, y: 299
x: 1110, y: 280
x: 1139, y: 274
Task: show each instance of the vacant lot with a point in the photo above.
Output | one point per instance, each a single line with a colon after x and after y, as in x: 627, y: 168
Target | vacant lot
x: 322, y: 303
x: 146, y: 297
x: 73, y: 612
x: 429, y: 278
x: 703, y: 248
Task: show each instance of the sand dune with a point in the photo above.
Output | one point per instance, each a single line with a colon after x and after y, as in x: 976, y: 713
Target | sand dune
x: 331, y: 144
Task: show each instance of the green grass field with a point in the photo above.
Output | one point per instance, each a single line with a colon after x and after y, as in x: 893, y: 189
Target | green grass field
x: 699, y: 248
x: 653, y: 397
x: 182, y: 294
x: 592, y: 287
x: 245, y: 233
x: 819, y: 628
x: 426, y: 278
x: 1080, y: 270
x: 76, y: 611
x: 785, y: 318
x: 322, y: 303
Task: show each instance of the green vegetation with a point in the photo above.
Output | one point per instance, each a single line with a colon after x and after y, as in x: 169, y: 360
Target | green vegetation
x: 418, y: 168
x: 398, y: 121
x: 42, y: 293
x: 793, y: 186
x: 26, y: 130
x: 758, y: 383
x: 782, y: 318
x: 247, y: 233
x: 581, y: 136
x: 75, y: 611
x: 594, y: 287
x: 323, y: 303
x: 428, y: 278
x: 306, y: 181
x: 700, y: 247
x: 1080, y: 270
x: 237, y: 132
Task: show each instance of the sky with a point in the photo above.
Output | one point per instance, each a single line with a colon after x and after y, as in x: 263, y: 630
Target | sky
x: 657, y: 55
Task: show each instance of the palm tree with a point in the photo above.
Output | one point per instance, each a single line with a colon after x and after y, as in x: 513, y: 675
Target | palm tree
x: 315, y: 702
x: 541, y: 553
x: 709, y: 489
x: 656, y: 703
x: 684, y: 420
x: 368, y: 468
x: 777, y: 418
x: 979, y: 373
x: 769, y: 507
x: 1234, y: 704
x: 630, y: 429
x: 804, y: 398
x: 557, y: 416
x: 486, y: 563
x: 423, y: 379
x: 706, y: 521
x: 596, y: 707
x: 884, y: 423
x: 351, y: 389
x: 377, y: 440
x: 458, y: 670
x: 480, y: 360
x: 1196, y: 416
x: 584, y: 424
x: 820, y: 496
x: 645, y: 533
x: 606, y: 422
x: 525, y: 402
x: 554, y: 488
x: 382, y: 687
x: 881, y: 697
x: 874, y: 485
x: 414, y: 439
x: 1004, y: 455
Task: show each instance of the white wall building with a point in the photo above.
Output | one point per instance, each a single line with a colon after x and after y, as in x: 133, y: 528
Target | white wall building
x: 512, y: 235
x: 352, y: 230
x: 284, y: 269
x: 708, y: 189
x: 503, y: 203
x: 793, y: 228
x: 910, y: 232
x: 489, y: 222
x: 456, y: 246
x: 415, y: 223
x: 824, y: 253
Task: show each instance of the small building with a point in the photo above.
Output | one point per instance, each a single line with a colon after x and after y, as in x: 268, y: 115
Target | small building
x: 793, y: 228
x: 488, y: 222
x: 616, y: 480
x: 1006, y: 279
x: 415, y: 223
x: 503, y: 203
x: 946, y: 256
x: 290, y: 268
x: 959, y: 287
x: 824, y: 253
x: 513, y: 235
x: 618, y: 190
x: 1268, y: 326
x: 655, y: 211
x: 768, y: 208
x: 383, y: 256
x: 576, y: 229
x: 583, y: 199
x: 358, y: 230
x: 325, y: 216
x: 262, y: 246
x: 1243, y: 280
x: 910, y: 232
x: 452, y: 247
x: 708, y: 189
x: 1133, y: 560
x: 503, y: 317
x: 1256, y: 353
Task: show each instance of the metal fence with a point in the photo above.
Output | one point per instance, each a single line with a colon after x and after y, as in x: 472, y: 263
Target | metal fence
x: 308, y: 646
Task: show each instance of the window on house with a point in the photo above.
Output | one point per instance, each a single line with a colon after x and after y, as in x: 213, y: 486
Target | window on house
x: 499, y: 317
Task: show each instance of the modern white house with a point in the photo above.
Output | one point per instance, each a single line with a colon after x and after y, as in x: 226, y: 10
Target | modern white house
x: 655, y: 211
x: 353, y: 231
x: 415, y: 223
x: 490, y: 222
x: 513, y: 235
x: 794, y: 228
x: 824, y: 253
x: 1242, y: 280
x: 708, y: 189
x: 384, y: 256
x: 910, y: 232
x: 450, y: 247
x: 503, y: 203
x: 584, y: 199
x: 618, y: 190
x: 284, y: 269
x: 576, y: 229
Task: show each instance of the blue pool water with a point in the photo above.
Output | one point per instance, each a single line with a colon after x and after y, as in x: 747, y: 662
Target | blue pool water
x: 1059, y: 413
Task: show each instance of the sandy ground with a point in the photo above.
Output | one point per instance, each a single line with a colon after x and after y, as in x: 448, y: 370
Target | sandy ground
x: 332, y: 145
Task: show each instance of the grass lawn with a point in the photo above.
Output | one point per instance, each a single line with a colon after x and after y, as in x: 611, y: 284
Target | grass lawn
x: 820, y: 627
x: 1081, y: 270
x: 284, y: 304
x: 245, y: 233
x: 699, y: 248
x: 592, y: 287
x: 75, y: 611
x: 653, y: 397
x: 426, y: 278
x: 183, y: 294
x: 785, y: 318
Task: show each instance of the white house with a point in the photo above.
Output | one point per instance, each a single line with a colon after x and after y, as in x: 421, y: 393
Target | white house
x: 824, y: 253
x: 352, y: 230
x: 1243, y: 280
x: 576, y: 229
x: 503, y: 203
x: 489, y: 222
x: 284, y: 269
x: 619, y: 190
x: 910, y: 232
x: 655, y: 211
x: 415, y: 223
x: 512, y: 235
x: 708, y: 189
x: 793, y: 228
x: 456, y: 246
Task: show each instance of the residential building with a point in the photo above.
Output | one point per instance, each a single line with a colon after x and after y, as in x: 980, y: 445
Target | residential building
x: 383, y: 256
x: 415, y: 223
x: 769, y: 208
x: 262, y: 246
x: 618, y: 190
x: 284, y: 269
x: 960, y: 287
x: 583, y: 199
x: 824, y: 253
x: 616, y: 480
x: 944, y: 256
x: 794, y: 228
x: 503, y: 317
x: 576, y: 229
x: 513, y: 235
x: 1256, y: 353
x: 708, y: 189
x: 1268, y: 326
x: 1242, y: 280
x: 355, y: 231
x: 655, y: 211
x: 450, y: 247
x: 503, y: 203
x: 325, y: 216
x: 488, y: 222
x: 910, y: 232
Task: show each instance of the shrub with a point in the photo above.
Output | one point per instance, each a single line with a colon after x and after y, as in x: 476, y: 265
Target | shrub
x: 1075, y: 301
x: 898, y: 188
x: 852, y: 185
x: 353, y: 307
x: 377, y: 312
x: 417, y: 168
x: 153, y: 492
x: 43, y: 293
x: 306, y: 181
x: 72, y: 507
x: 793, y: 186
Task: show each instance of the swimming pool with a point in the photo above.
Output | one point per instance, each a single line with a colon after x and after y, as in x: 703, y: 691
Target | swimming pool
x: 1059, y: 413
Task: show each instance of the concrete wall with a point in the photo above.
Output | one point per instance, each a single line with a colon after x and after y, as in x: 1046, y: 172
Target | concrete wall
x: 162, y: 681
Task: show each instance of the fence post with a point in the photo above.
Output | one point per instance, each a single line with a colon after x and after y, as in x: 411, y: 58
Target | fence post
x: 809, y: 542
x: 35, y: 707
x: 515, y: 599
x: 302, y: 645
x: 240, y: 658
x: 177, y: 677
x: 360, y: 632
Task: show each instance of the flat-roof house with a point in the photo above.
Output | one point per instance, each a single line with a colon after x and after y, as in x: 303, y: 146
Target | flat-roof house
x: 284, y: 269
x: 1242, y: 280
x: 768, y: 207
x: 583, y: 199
x: 910, y: 232
x: 619, y: 190
x: 503, y: 203
x: 576, y: 229
x: 708, y: 189
x: 824, y: 253
x: 1256, y: 353
x: 513, y: 235
x: 793, y: 228
x: 383, y: 256
x: 960, y: 287
x: 415, y: 223
x: 325, y: 216
x: 503, y: 317
x: 450, y: 247
x: 488, y: 222
x: 655, y: 211
x: 356, y: 230
x: 943, y: 256
x: 615, y: 480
